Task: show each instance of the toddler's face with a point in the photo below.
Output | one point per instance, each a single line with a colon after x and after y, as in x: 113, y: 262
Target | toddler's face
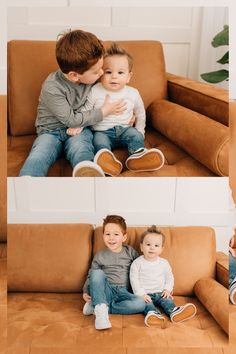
x: 152, y: 246
x: 116, y: 73
x: 114, y: 237
x: 93, y: 74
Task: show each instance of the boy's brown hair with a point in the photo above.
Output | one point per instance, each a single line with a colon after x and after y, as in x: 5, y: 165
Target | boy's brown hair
x: 77, y: 51
x: 115, y: 49
x: 115, y: 219
x: 152, y: 230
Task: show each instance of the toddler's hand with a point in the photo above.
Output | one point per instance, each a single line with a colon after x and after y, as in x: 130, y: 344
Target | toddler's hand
x: 87, y: 297
x: 74, y: 131
x: 147, y: 298
x: 167, y: 294
x: 132, y: 121
x: 116, y: 108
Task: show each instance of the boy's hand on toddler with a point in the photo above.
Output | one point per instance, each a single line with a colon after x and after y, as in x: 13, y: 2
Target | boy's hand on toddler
x: 167, y: 294
x: 87, y: 297
x: 147, y: 298
x: 74, y: 131
x: 115, y: 108
x: 231, y: 243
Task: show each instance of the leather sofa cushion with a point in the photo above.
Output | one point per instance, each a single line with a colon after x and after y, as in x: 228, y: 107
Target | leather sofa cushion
x: 30, y: 62
x: 178, y: 162
x: 48, y: 258
x: 55, y: 323
x: 191, y: 252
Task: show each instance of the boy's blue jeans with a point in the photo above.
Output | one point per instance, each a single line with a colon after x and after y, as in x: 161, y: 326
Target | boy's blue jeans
x: 48, y: 147
x: 118, y: 136
x: 232, y: 268
x: 118, y: 299
x: 167, y: 305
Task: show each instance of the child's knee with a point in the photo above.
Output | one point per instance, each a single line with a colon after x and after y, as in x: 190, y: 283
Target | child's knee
x: 97, y: 275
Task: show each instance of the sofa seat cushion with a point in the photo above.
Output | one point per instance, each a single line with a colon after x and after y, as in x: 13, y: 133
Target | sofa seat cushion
x: 56, y: 320
x: 178, y: 163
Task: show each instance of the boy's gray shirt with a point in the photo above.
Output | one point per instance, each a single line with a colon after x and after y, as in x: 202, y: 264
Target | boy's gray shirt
x: 60, y: 104
x: 115, y: 265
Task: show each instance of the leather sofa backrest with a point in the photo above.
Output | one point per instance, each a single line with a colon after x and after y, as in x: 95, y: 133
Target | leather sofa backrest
x: 30, y: 62
x: 191, y: 252
x: 3, y: 169
x: 48, y: 258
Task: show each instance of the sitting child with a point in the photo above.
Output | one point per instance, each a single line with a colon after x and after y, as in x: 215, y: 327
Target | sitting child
x: 115, y: 130
x: 106, y: 288
x: 79, y: 56
x: 232, y: 272
x: 151, y: 278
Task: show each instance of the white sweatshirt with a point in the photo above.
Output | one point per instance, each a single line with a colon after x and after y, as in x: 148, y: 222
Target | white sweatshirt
x: 134, y: 106
x: 148, y: 277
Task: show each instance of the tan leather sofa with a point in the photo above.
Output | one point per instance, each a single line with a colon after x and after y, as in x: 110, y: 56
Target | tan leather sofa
x: 232, y: 151
x: 187, y: 120
x: 3, y: 168
x: 47, y: 266
x: 3, y: 298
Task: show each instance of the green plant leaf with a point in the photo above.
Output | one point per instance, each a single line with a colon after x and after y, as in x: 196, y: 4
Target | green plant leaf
x: 224, y: 59
x: 222, y: 38
x: 215, y: 77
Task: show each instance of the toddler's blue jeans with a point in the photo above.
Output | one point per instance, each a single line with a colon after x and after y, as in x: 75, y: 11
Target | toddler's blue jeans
x: 167, y: 305
x: 232, y: 268
x: 118, y: 136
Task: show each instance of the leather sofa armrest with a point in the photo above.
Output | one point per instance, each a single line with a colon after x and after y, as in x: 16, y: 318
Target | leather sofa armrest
x: 222, y: 269
x: 205, y: 139
x: 3, y: 168
x: 215, y: 299
x: 203, y: 98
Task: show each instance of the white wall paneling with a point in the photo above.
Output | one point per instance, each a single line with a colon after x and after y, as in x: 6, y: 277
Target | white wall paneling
x: 142, y: 201
x: 167, y: 201
x: 179, y: 28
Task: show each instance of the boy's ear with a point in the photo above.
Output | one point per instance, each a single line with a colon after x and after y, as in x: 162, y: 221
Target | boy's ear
x: 124, y: 237
x: 73, y: 76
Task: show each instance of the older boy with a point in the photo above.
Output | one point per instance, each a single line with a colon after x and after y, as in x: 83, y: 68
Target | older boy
x: 79, y: 55
x: 106, y: 288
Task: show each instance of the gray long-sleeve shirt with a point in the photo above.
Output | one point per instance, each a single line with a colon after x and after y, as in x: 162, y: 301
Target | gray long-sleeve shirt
x: 60, y: 104
x: 115, y: 265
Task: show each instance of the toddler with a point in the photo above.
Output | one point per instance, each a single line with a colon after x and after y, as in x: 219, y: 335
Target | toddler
x: 115, y: 130
x: 152, y: 279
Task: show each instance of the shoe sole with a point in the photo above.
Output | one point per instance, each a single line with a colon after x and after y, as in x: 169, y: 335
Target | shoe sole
x: 154, y: 321
x: 153, y: 161
x: 103, y: 328
x: 87, y: 172
x: 108, y: 162
x: 187, y: 313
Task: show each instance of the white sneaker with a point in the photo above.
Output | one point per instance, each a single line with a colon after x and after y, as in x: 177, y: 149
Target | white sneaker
x: 88, y: 309
x: 232, y: 292
x: 154, y: 319
x: 101, y: 317
x: 183, y: 313
x: 87, y: 169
